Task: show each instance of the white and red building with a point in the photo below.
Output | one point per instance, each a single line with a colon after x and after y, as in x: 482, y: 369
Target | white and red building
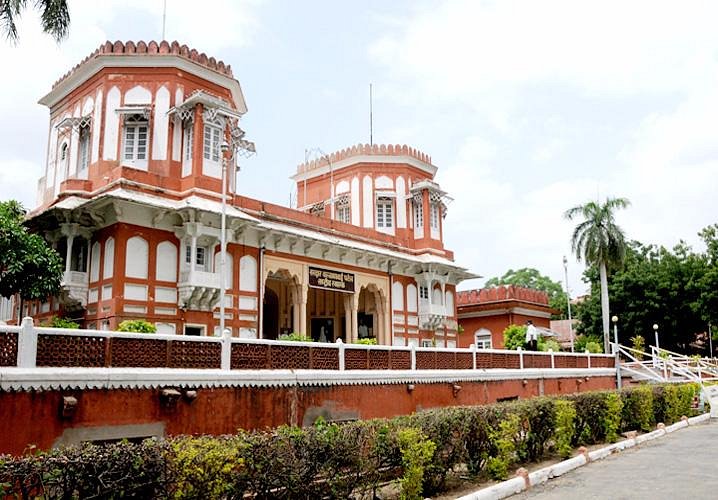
x: 131, y: 199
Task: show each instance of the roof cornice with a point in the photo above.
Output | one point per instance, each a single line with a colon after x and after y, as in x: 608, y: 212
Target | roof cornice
x: 99, y: 62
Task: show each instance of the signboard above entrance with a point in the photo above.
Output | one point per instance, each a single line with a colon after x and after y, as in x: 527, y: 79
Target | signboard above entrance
x: 331, y: 280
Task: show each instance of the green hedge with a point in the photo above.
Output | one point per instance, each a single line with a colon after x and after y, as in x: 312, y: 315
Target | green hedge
x: 418, y: 452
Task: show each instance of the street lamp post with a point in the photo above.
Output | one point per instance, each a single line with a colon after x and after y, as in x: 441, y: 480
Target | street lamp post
x: 616, y: 352
x: 568, y: 301
x: 223, y: 239
x: 655, y: 331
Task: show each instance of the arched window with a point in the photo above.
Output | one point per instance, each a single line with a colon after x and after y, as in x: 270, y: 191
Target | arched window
x: 137, y: 258
x: 109, y: 260
x: 449, y: 302
x: 248, y: 274
x: 482, y: 337
x: 411, y: 298
x: 397, y: 296
x: 166, y: 268
x: 229, y: 268
x: 95, y: 261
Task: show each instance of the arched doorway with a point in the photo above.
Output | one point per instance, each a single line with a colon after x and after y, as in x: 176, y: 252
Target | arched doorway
x: 270, y: 315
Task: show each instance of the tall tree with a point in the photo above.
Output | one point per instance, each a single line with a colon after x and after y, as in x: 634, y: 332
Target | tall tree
x: 54, y: 15
x: 529, y: 277
x: 599, y: 241
x: 28, y: 266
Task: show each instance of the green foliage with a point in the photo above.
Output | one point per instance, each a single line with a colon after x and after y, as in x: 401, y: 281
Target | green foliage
x: 416, y: 452
x: 639, y: 344
x: 295, y: 337
x: 367, y: 341
x: 28, y: 266
x: 206, y: 467
x: 638, y: 412
x: 515, y: 337
x: 612, y: 417
x: 503, y: 440
x: 582, y: 343
x: 351, y: 460
x: 137, y: 326
x: 54, y: 17
x: 549, y: 345
x: 57, y: 322
x: 676, y: 288
x: 565, y: 427
x: 531, y: 278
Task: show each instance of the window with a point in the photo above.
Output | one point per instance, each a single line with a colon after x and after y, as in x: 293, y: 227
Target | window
x: 63, y: 152
x: 188, y: 135
x: 483, y: 339
x: 134, y: 149
x: 384, y: 213
x: 194, y: 330
x: 200, y: 258
x: 419, y: 215
x: 212, y: 140
x: 434, y: 216
x: 427, y: 343
x: 83, y: 159
x: 344, y: 214
x: 424, y: 292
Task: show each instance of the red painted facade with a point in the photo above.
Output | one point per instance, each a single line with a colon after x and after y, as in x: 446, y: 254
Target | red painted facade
x: 224, y: 410
x: 488, y: 312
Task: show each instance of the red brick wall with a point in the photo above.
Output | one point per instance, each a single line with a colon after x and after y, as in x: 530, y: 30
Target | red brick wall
x: 224, y: 410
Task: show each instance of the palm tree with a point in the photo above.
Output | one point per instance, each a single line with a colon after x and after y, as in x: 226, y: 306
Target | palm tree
x: 54, y: 14
x: 599, y: 241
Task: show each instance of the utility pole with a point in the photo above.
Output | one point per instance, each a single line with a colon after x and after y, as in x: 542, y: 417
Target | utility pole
x: 568, y: 301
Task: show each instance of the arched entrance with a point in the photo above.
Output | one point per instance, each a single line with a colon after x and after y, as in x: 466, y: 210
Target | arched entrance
x: 270, y: 315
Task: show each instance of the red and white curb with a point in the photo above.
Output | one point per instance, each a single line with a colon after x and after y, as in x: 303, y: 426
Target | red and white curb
x: 525, y: 480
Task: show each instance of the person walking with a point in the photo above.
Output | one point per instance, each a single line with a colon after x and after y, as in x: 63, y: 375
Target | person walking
x: 531, y: 336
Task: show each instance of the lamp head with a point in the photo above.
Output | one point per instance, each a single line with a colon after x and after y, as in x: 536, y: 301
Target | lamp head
x: 614, y: 319
x: 655, y: 327
x: 565, y: 260
x: 224, y: 147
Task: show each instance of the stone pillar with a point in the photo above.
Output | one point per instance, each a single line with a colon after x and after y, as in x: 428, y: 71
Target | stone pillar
x: 193, y: 254
x: 303, y: 309
x: 355, y: 318
x: 348, y: 317
x: 68, y: 252
x: 295, y: 308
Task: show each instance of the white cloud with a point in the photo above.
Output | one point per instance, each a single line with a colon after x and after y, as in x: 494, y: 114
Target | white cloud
x: 514, y: 174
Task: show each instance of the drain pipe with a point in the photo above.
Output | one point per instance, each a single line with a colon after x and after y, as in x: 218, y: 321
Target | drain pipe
x: 391, y: 304
x: 260, y: 305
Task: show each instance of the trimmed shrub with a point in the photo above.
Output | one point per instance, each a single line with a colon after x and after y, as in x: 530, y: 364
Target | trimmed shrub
x: 136, y: 326
x: 565, y: 417
x: 638, y: 411
x: 352, y: 460
x: 295, y: 337
x: 58, y: 322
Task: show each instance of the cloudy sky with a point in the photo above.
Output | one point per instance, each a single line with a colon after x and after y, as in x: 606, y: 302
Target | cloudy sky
x: 527, y: 108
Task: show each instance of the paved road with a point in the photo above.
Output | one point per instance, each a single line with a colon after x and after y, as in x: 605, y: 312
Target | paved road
x: 681, y: 465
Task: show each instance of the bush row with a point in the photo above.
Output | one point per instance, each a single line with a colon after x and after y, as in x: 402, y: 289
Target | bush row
x: 328, y: 460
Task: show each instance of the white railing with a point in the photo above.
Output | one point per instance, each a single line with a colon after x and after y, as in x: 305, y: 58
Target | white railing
x: 74, y: 279
x: 98, y: 346
x: 425, y: 308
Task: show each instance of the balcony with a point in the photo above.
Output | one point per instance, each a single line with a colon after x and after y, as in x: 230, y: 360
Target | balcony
x: 431, y: 316
x: 198, y: 290
x: 73, y: 294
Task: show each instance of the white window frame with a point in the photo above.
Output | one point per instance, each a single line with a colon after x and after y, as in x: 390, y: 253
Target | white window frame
x: 434, y: 220
x: 187, y: 140
x: 482, y: 338
x: 419, y: 215
x: 427, y: 343
x: 344, y: 214
x: 385, y: 213
x: 211, y: 142
x: 423, y: 292
x: 203, y: 329
x: 83, y: 155
x: 136, y: 124
x: 200, y: 260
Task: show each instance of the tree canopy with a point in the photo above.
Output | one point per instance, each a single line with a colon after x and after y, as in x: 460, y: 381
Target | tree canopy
x: 677, y: 289
x: 28, y: 266
x: 528, y: 277
x: 54, y: 16
x: 599, y: 241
